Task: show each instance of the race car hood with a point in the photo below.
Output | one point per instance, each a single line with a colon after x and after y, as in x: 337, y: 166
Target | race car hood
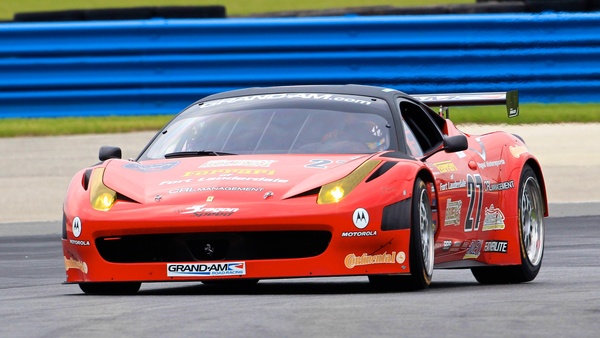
x: 232, y: 178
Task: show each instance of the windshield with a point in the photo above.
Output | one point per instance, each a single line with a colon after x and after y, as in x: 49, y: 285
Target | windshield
x: 347, y: 125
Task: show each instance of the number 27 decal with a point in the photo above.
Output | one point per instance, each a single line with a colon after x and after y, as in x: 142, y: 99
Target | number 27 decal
x: 474, y: 192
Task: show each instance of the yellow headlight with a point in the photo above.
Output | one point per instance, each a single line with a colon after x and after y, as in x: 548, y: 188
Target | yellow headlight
x: 102, y: 197
x: 336, y: 191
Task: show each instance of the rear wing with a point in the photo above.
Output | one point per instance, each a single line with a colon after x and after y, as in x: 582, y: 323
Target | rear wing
x: 510, y: 99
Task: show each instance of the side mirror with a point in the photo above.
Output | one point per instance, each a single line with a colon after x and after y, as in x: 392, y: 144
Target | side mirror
x: 451, y: 144
x: 455, y: 143
x: 108, y: 152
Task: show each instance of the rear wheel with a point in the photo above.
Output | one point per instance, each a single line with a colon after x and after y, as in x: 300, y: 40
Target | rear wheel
x: 531, y: 237
x: 110, y: 288
x: 421, y: 247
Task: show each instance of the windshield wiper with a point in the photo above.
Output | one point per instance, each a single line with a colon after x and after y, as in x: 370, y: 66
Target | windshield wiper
x: 196, y: 153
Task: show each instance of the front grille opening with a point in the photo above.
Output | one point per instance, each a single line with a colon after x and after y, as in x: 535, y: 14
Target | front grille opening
x: 213, y: 246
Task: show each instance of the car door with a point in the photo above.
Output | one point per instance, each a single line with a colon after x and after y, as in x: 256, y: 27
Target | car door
x: 458, y: 181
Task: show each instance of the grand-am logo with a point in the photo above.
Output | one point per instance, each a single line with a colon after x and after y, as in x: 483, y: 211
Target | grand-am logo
x: 494, y: 219
x: 352, y: 260
x: 283, y: 96
x: 201, y: 211
x: 206, y: 269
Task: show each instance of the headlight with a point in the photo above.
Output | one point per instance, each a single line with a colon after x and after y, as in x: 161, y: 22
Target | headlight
x: 102, y: 197
x: 336, y: 191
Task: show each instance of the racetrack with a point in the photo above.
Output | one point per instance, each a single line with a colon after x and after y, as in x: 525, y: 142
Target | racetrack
x: 562, y: 301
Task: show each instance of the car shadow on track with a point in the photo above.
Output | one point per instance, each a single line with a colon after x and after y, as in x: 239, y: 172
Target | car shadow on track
x: 288, y: 288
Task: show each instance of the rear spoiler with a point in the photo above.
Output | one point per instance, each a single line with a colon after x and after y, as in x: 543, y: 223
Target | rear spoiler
x: 510, y: 99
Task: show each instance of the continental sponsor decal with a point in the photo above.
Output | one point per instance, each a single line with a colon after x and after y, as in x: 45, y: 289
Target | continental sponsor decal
x: 238, y: 163
x: 474, y: 249
x: 206, y: 269
x: 352, y: 260
x: 452, y: 212
x: 445, y: 166
x: 244, y: 171
x: 494, y: 219
x: 71, y: 263
x: 517, y: 151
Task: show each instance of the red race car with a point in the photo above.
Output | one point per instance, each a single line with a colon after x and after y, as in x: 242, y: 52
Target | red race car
x: 308, y: 181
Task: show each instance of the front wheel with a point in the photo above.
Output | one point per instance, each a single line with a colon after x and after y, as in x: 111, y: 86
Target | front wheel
x: 531, y: 236
x: 421, y: 246
x: 110, y: 288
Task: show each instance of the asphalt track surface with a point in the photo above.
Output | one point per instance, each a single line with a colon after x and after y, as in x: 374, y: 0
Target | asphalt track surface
x: 562, y: 301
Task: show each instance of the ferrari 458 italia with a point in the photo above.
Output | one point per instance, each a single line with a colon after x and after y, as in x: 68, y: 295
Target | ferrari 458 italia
x: 309, y: 181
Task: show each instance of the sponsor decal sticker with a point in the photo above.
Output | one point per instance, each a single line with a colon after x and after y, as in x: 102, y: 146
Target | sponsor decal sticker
x: 238, y: 163
x: 204, y: 189
x: 496, y: 246
x: 284, y: 96
x: 71, y: 263
x: 474, y: 249
x: 150, y: 168
x: 240, y: 178
x: 206, y: 269
x: 517, y: 151
x: 447, y: 245
x: 445, y: 166
x: 453, y: 185
x: 76, y: 227
x: 360, y: 218
x: 223, y: 172
x: 359, y: 233
x: 201, y: 211
x: 352, y: 260
x: 499, y: 186
x: 453, y: 212
x: 79, y: 242
x: 490, y: 164
x: 494, y: 219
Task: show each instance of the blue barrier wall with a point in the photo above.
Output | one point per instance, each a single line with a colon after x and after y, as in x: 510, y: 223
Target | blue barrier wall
x: 160, y: 66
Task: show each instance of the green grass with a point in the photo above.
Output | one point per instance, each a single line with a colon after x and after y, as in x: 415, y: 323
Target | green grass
x: 530, y: 113
x: 233, y: 7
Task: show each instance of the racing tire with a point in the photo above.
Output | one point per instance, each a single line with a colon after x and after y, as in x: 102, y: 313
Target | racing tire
x: 531, y: 237
x: 110, y: 288
x: 421, y: 248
